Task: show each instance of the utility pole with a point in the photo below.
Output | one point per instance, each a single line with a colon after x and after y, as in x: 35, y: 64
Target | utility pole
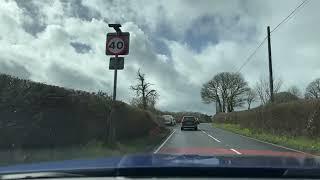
x: 270, y: 66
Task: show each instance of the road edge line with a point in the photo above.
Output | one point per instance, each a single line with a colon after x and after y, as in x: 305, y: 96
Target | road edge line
x: 280, y: 146
x: 164, y: 142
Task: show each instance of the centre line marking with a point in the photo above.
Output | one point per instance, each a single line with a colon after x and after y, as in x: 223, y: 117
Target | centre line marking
x: 158, y: 149
x: 211, y: 136
x: 235, y: 151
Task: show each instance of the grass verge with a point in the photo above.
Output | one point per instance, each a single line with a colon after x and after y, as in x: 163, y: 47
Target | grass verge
x: 304, y: 144
x: 93, y: 149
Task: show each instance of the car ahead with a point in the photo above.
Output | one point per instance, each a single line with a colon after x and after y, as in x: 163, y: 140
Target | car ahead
x: 189, y: 122
x: 169, y: 120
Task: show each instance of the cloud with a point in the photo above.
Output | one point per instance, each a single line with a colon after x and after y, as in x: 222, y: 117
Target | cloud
x: 178, y: 44
x: 14, y: 69
x: 33, y: 21
x: 75, y: 8
x: 69, y: 77
x: 80, y: 47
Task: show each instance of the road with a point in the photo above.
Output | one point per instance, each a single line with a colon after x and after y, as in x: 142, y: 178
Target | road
x: 213, y: 141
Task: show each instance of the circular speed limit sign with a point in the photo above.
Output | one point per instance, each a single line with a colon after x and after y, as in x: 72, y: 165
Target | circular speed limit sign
x: 115, y: 45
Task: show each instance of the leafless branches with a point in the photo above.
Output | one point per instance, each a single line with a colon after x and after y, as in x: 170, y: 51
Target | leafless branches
x: 145, y: 97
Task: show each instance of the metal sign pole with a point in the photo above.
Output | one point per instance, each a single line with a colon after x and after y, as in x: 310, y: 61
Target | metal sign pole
x: 116, y: 44
x: 115, y: 80
x: 118, y: 30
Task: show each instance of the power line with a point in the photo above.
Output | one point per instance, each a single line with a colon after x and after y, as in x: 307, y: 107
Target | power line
x: 286, y: 19
x: 290, y: 15
x: 252, y: 54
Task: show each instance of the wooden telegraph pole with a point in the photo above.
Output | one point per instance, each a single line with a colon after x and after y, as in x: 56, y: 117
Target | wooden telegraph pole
x: 270, y: 66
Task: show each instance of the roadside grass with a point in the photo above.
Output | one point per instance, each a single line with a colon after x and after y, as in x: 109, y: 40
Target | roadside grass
x: 93, y: 149
x: 304, y: 144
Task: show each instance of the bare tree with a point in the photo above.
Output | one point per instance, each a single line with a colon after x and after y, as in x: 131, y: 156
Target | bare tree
x: 263, y: 90
x: 151, y: 102
x: 250, y: 97
x: 313, y: 90
x: 145, y: 96
x: 226, y: 90
x: 294, y: 90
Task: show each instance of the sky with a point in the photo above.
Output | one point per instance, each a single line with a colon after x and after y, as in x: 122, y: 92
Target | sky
x: 178, y: 44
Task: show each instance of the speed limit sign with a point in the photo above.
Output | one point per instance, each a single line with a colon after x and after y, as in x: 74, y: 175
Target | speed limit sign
x: 117, y: 44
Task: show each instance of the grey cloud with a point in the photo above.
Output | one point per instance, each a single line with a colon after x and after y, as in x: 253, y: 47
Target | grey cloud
x: 14, y: 69
x: 149, y: 63
x: 166, y: 30
x: 201, y: 32
x: 70, y: 78
x: 75, y: 8
x: 30, y: 10
x: 159, y: 46
x: 80, y: 47
x: 214, y: 28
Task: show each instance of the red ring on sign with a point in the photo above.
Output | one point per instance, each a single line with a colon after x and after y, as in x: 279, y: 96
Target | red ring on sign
x: 124, y: 44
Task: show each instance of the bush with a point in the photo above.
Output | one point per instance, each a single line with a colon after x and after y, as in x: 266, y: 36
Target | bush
x: 35, y: 115
x: 283, y: 97
x: 296, y: 118
x: 133, y: 122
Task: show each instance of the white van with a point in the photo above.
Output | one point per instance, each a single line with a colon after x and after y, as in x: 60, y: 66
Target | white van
x: 169, y: 120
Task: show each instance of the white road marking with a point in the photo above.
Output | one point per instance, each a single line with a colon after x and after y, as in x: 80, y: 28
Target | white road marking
x: 235, y: 151
x: 211, y: 136
x: 164, y: 142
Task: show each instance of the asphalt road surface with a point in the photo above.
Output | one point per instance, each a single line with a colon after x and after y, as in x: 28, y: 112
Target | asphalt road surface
x: 213, y: 141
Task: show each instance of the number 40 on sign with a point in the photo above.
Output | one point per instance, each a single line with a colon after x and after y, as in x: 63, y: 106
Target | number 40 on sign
x: 117, y: 43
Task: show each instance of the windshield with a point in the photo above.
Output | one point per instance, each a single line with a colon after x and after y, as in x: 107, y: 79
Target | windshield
x: 92, y: 79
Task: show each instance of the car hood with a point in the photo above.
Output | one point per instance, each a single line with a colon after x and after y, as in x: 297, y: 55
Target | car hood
x: 162, y: 160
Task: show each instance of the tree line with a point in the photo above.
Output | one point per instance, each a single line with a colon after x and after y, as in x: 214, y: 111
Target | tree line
x: 230, y: 90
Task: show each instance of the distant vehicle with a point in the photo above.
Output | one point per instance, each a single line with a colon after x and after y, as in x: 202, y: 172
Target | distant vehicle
x: 169, y: 120
x: 189, y: 122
